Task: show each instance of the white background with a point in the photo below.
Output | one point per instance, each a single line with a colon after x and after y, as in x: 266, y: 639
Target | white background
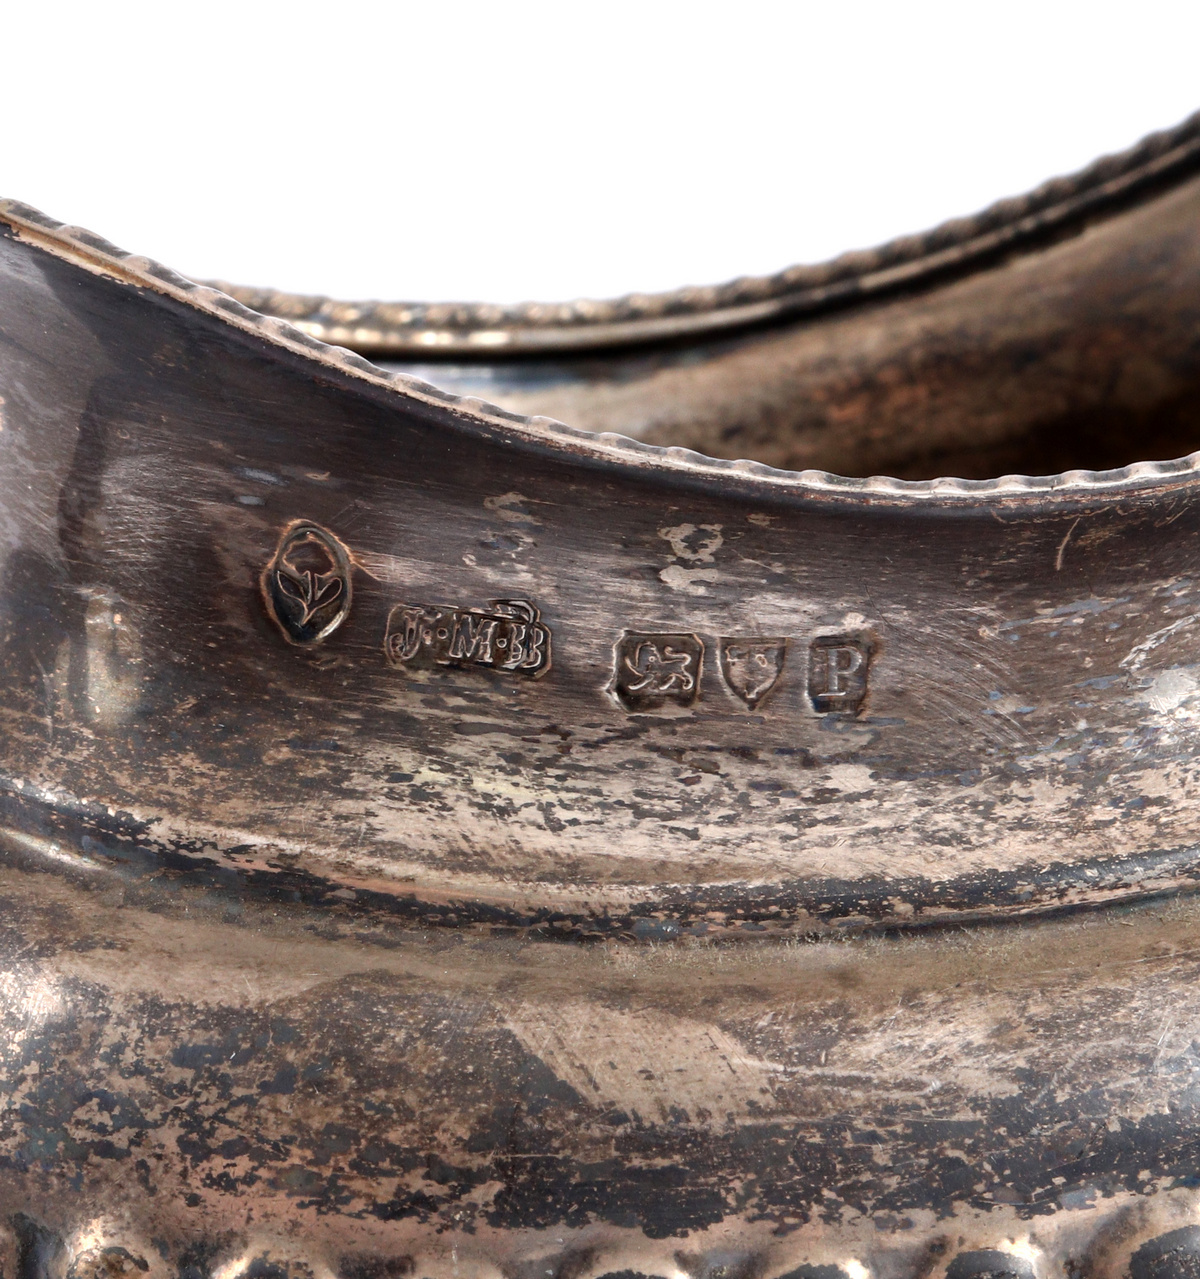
x: 508, y: 150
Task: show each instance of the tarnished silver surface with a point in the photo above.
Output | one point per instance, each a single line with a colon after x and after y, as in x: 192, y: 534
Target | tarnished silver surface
x: 982, y: 700
x: 444, y: 843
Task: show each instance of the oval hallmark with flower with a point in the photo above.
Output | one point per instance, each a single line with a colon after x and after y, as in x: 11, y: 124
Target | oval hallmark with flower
x: 307, y: 585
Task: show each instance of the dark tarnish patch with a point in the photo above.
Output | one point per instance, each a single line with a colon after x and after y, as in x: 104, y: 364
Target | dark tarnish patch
x: 354, y: 1136
x: 661, y: 1201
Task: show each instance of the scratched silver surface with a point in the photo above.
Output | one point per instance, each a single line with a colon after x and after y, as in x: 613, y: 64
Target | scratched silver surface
x: 1017, y: 731
x: 443, y: 843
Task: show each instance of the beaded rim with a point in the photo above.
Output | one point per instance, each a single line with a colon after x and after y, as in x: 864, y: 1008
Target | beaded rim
x: 96, y: 254
x: 421, y: 329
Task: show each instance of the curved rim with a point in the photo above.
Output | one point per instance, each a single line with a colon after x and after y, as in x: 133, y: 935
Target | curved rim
x: 756, y: 479
x: 394, y: 329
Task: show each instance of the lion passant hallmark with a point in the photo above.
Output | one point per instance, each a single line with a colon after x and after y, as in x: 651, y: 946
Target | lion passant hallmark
x: 657, y: 669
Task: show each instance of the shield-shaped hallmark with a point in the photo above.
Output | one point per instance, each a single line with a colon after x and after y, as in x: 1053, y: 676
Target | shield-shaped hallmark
x: 751, y: 666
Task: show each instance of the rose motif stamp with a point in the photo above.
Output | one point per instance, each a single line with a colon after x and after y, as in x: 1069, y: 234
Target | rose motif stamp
x: 307, y: 585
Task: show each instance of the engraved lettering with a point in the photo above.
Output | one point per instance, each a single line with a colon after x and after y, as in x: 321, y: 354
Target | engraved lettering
x: 527, y: 641
x: 838, y: 667
x: 471, y: 638
x: 751, y: 667
x: 306, y: 586
x: 506, y: 635
x: 410, y: 628
x: 652, y: 669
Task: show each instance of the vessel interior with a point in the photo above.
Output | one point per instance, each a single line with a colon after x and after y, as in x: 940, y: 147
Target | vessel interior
x: 1080, y: 351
